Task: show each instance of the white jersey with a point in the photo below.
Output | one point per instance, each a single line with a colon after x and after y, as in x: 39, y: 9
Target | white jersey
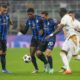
x: 76, y: 24
x: 68, y: 32
x: 68, y: 29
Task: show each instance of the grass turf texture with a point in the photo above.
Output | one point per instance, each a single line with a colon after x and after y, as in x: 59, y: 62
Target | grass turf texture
x: 22, y: 71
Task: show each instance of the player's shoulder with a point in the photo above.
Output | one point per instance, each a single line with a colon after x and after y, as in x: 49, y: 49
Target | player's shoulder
x: 50, y: 19
x: 66, y: 16
x: 53, y: 20
x: 38, y: 17
x: 76, y: 21
x: 7, y: 15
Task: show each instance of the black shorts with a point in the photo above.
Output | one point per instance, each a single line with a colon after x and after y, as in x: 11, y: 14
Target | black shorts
x: 34, y: 42
x: 3, y: 46
x: 42, y: 46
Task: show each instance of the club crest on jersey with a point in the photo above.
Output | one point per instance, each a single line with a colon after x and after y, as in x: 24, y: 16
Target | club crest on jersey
x: 37, y: 21
x: 33, y: 26
x: 48, y: 23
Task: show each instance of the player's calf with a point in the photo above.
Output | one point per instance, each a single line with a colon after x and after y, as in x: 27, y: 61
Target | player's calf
x: 49, y: 58
x: 33, y: 58
x: 42, y: 57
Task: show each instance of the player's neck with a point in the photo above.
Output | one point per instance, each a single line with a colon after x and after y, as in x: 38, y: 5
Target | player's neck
x: 47, y: 18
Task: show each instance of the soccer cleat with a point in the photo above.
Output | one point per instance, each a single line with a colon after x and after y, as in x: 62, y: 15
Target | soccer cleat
x: 67, y: 72
x: 51, y: 71
x: 46, y: 68
x: 35, y: 71
x: 5, y: 71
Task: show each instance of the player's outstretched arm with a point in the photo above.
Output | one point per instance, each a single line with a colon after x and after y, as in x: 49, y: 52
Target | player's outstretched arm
x: 23, y: 29
x: 59, y: 28
x: 11, y: 26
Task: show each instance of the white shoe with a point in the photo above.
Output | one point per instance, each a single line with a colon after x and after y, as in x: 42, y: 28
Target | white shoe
x: 51, y: 71
x: 46, y: 68
x: 35, y: 71
x: 5, y: 71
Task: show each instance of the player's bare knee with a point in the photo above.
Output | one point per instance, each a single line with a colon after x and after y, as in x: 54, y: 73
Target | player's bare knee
x: 4, y: 53
x: 48, y: 52
x: 32, y: 51
x: 38, y: 52
x: 1, y: 52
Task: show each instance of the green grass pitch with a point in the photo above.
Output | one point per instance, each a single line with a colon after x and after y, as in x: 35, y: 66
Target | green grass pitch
x: 22, y: 71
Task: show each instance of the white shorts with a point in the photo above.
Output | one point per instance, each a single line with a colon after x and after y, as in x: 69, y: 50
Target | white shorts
x: 68, y: 45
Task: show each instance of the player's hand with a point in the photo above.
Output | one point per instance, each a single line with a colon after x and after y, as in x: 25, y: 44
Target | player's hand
x: 49, y: 36
x: 19, y: 34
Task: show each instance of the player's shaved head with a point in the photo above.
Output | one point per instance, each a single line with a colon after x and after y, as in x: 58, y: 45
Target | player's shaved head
x: 62, y: 12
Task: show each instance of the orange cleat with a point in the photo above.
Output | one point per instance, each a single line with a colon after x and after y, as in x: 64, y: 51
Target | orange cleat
x: 67, y: 72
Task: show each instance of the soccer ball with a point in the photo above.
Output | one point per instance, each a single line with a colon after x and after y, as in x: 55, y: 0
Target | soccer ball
x: 27, y: 58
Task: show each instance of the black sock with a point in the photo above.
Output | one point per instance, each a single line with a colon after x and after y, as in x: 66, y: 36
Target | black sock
x: 43, y: 58
x: 34, y: 62
x: 50, y: 61
x: 3, y: 61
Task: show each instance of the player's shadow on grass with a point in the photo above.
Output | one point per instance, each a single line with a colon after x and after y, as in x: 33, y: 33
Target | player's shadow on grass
x: 27, y: 73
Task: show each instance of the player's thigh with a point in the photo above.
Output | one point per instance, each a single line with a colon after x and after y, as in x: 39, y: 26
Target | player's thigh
x: 34, y: 42
x: 33, y: 46
x: 3, y: 47
x: 50, y: 46
x: 42, y: 46
x: 65, y: 46
x: 1, y: 51
x: 38, y: 52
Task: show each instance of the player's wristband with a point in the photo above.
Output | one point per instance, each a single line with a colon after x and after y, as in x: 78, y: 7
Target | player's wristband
x: 51, y: 35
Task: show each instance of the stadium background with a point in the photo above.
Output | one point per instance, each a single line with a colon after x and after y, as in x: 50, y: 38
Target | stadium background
x: 17, y: 11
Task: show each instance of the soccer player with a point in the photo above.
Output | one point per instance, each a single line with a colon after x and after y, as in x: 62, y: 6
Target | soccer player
x: 76, y: 25
x: 4, y: 26
x: 49, y: 27
x: 36, y: 24
x: 71, y: 39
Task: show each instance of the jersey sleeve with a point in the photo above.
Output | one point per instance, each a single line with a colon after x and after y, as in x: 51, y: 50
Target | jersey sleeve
x: 26, y: 27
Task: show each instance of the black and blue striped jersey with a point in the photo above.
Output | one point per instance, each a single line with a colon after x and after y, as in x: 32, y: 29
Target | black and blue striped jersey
x: 4, y: 25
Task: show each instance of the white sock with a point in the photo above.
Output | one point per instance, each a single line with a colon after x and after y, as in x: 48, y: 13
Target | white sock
x: 69, y: 56
x: 65, y: 60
